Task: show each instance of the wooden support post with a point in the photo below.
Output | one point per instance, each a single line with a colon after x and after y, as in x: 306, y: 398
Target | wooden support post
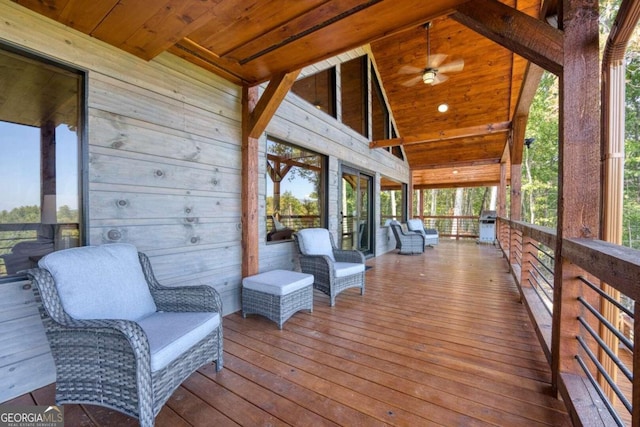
x: 578, y: 175
x: 250, y: 251
x: 410, y: 196
x: 516, y: 207
x: 502, y: 202
x: 257, y: 111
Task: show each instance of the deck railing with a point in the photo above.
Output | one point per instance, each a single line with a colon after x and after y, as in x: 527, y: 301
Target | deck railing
x: 585, y: 321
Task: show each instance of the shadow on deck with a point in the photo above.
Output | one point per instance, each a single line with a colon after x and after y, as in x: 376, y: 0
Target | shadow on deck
x: 439, y: 338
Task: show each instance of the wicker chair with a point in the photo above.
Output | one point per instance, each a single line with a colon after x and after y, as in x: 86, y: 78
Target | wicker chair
x: 119, y: 339
x: 407, y: 243
x: 431, y: 236
x: 333, y: 269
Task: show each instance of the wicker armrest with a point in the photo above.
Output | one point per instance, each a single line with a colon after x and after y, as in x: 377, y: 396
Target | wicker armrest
x: 187, y: 298
x: 342, y: 255
x: 180, y: 298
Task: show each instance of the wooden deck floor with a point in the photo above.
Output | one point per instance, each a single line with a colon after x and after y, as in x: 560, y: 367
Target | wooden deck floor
x: 437, y: 339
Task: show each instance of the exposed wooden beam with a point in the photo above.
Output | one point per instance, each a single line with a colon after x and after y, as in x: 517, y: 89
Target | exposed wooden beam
x: 529, y: 37
x: 517, y: 138
x: 530, y: 84
x: 269, y: 102
x: 458, y: 184
x: 453, y: 165
x: 507, y: 150
x: 443, y: 135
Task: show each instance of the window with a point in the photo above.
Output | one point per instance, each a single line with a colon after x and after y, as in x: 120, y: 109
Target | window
x: 353, y: 78
x: 39, y: 167
x: 319, y: 90
x: 392, y: 200
x: 295, y: 190
x: 380, y: 119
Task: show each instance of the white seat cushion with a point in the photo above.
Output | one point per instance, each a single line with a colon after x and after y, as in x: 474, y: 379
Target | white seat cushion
x: 278, y: 282
x: 100, y: 282
x: 171, y: 334
x: 315, y: 241
x: 343, y: 269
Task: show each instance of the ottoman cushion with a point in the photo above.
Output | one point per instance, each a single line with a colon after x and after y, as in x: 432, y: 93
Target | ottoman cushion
x: 278, y: 282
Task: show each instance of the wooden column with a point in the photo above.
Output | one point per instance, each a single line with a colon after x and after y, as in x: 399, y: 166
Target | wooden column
x: 578, y: 172
x: 613, y: 138
x: 257, y: 111
x: 410, y: 196
x: 502, y: 204
x: 250, y: 252
x: 515, y: 207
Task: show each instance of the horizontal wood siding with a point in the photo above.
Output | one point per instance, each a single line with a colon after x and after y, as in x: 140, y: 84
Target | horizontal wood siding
x: 25, y: 358
x: 165, y: 159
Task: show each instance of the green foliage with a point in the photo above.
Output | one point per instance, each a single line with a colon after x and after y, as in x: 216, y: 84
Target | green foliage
x: 21, y: 215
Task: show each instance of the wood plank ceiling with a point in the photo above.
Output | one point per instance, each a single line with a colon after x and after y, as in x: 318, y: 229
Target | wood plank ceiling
x: 250, y: 41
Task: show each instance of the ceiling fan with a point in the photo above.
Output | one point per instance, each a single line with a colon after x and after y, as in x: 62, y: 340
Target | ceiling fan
x: 433, y: 74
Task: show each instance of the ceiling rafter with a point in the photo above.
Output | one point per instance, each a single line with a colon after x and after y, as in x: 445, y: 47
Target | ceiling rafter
x: 531, y: 38
x: 444, y: 135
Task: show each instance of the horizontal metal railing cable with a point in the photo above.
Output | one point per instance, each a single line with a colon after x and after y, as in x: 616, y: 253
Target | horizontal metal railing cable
x: 619, y: 363
x: 626, y: 341
x: 546, y: 267
x: 542, y: 298
x: 543, y: 293
x: 597, y: 387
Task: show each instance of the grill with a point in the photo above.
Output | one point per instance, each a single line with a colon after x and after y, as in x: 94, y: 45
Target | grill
x: 487, y: 227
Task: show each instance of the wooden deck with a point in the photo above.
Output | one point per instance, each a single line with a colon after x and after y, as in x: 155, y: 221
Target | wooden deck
x: 437, y: 339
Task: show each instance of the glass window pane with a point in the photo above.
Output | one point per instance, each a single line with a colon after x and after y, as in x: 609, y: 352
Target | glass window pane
x: 295, y: 190
x: 353, y: 79
x: 39, y: 142
x: 391, y: 200
x: 319, y: 90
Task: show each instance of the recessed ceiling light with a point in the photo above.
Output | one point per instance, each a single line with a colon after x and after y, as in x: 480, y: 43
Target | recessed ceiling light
x: 455, y: 171
x: 443, y: 108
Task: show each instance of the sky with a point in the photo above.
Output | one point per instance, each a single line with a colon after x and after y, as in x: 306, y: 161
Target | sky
x: 20, y: 166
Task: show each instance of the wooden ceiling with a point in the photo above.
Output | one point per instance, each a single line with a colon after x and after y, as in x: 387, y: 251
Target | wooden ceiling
x: 250, y: 41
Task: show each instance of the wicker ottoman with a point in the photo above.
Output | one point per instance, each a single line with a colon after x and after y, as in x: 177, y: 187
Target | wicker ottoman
x: 277, y: 294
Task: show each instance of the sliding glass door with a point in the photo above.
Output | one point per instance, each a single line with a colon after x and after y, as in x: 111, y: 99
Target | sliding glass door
x: 357, y: 211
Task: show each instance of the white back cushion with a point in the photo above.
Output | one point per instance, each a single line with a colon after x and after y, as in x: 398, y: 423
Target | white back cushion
x: 315, y: 241
x: 100, y: 282
x: 415, y: 225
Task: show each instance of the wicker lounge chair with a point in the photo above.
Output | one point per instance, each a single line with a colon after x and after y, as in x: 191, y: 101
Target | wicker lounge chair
x: 120, y: 339
x: 431, y: 236
x: 333, y: 269
x: 407, y: 242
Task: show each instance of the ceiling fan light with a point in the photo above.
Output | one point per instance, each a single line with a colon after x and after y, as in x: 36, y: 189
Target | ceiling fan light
x: 429, y: 76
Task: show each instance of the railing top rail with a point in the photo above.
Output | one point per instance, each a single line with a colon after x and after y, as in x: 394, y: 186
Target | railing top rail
x: 617, y: 265
x: 545, y: 235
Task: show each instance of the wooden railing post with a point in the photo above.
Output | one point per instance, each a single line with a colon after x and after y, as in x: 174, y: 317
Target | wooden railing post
x: 578, y: 177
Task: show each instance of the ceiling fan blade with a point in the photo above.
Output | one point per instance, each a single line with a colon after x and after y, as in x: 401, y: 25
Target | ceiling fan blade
x: 440, y: 78
x: 452, y: 67
x: 412, y: 81
x: 436, y: 59
x: 409, y: 69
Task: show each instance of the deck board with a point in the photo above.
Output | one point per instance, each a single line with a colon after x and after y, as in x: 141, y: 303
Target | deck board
x: 437, y: 339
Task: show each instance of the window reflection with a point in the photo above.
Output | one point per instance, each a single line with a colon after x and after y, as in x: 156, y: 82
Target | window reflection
x: 39, y: 142
x: 295, y: 190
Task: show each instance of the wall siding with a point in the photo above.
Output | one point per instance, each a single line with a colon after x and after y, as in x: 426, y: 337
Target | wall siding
x: 164, y: 168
